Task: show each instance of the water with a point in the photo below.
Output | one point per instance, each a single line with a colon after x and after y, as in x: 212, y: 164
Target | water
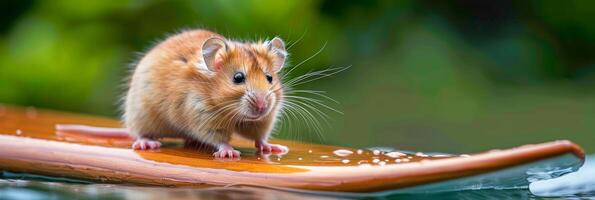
x: 578, y: 185
x: 16, y: 189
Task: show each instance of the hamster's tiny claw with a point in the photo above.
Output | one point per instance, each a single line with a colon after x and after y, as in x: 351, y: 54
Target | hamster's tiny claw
x: 265, y: 147
x: 146, y: 144
x: 277, y: 148
x: 227, y: 151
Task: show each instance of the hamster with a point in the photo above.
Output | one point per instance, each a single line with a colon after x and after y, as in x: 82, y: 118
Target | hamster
x: 198, y: 85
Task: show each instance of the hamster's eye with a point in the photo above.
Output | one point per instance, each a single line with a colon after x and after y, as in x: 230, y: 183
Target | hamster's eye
x: 239, y: 78
x: 269, y: 78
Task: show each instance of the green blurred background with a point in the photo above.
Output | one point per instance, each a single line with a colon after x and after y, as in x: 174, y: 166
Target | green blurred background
x: 454, y: 76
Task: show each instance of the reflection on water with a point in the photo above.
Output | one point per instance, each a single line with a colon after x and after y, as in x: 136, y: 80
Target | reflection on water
x: 18, y: 186
x: 18, y: 189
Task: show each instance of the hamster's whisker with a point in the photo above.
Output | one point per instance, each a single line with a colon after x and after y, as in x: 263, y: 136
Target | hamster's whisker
x: 305, y: 75
x: 309, y: 77
x: 224, y: 120
x: 316, y: 75
x: 277, y: 83
x: 223, y: 104
x: 312, y: 117
x: 216, y: 114
x: 250, y: 98
x: 309, y: 119
x: 291, y: 114
x: 305, y: 109
x: 304, y: 61
x: 281, y: 121
x: 314, y: 92
x: 316, y: 101
x: 298, y: 40
x: 323, y: 115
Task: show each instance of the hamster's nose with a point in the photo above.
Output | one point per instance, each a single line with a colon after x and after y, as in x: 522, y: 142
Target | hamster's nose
x: 259, y: 103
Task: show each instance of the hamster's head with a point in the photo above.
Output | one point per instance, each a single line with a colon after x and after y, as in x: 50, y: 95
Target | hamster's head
x: 243, y: 82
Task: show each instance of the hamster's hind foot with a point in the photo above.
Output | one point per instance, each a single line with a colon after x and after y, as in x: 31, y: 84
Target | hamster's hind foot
x: 146, y: 144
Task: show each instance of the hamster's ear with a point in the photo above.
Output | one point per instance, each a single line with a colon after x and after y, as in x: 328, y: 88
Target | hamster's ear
x: 211, y: 53
x: 277, y: 46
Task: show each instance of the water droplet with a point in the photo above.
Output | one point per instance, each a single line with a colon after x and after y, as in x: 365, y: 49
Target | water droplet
x: 278, y: 159
x: 19, y: 132
x: 465, y: 155
x: 440, y: 156
x: 375, y: 161
x: 342, y: 152
x: 310, y: 151
x: 362, y: 161
x: 381, y: 163
x: 397, y: 160
x: 258, y: 158
x: 323, y: 156
x: 420, y: 154
x: 405, y: 160
x: 376, y: 152
x: 409, y: 157
x: 345, y: 161
x: 359, y: 151
x: 300, y: 158
x: 395, y: 154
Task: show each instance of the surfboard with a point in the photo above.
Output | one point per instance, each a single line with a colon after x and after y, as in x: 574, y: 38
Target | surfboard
x: 29, y: 143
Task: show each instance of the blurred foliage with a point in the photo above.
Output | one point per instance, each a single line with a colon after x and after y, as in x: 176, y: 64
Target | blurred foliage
x: 447, y: 76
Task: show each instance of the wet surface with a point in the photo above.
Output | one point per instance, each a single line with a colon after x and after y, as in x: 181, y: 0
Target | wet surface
x: 27, y: 186
x: 34, y: 123
x: 39, y: 124
x: 18, y: 189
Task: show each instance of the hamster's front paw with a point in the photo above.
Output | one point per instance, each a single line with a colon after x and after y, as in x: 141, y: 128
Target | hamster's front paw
x: 226, y: 151
x: 265, y: 147
x: 146, y: 144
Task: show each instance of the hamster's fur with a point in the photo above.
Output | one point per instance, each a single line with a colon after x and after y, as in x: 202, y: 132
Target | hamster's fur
x: 201, y: 86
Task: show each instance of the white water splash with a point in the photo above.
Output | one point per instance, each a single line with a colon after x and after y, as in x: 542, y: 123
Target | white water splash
x: 577, y: 183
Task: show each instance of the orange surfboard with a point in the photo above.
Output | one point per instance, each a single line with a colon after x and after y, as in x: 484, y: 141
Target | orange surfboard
x: 30, y: 144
